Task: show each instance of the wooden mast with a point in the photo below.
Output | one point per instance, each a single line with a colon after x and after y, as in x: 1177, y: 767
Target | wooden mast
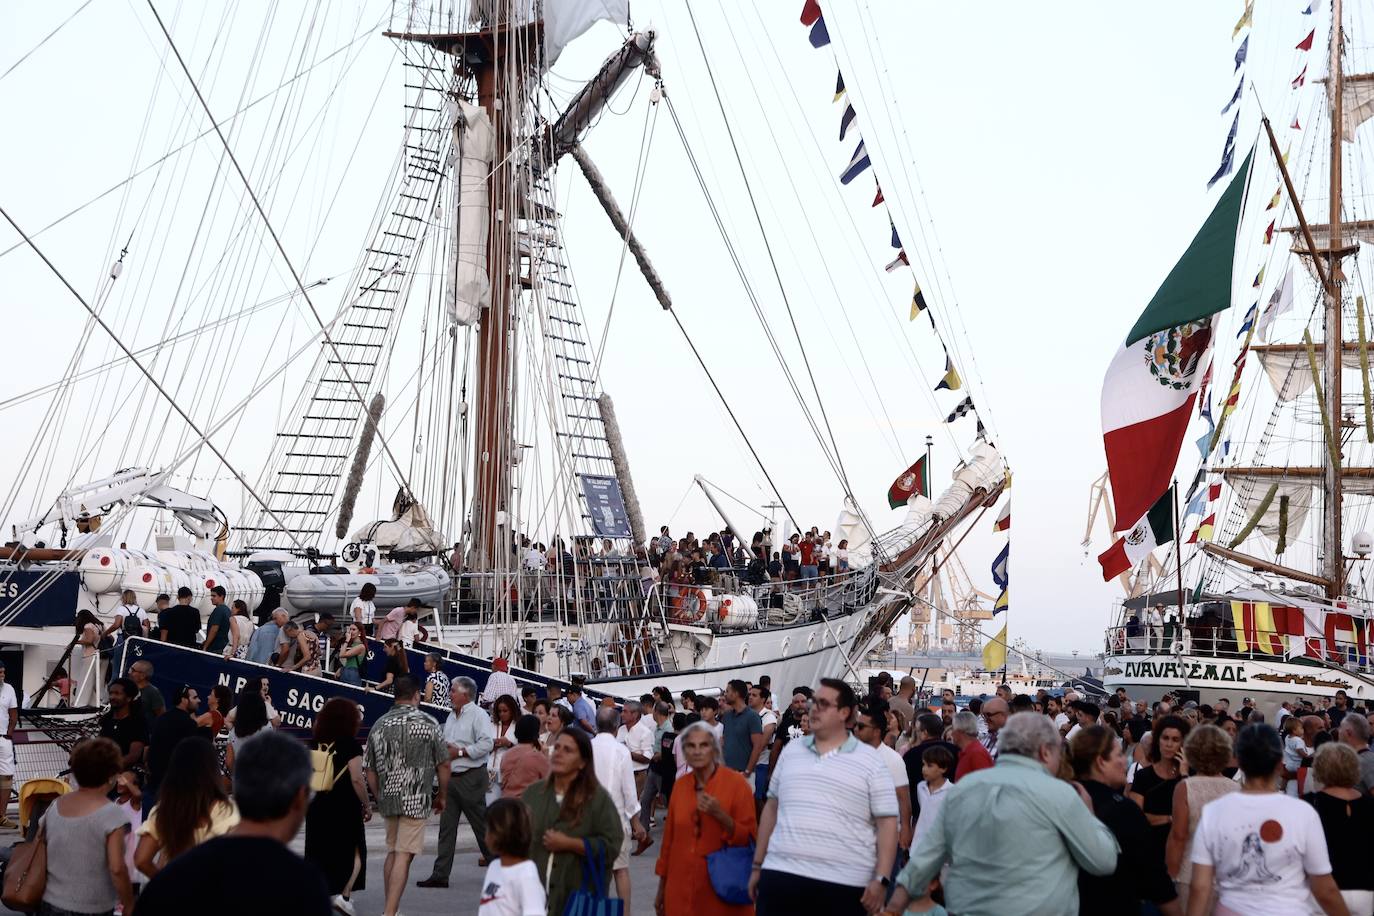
x: 490, y: 458
x: 1332, y: 539
x: 491, y: 56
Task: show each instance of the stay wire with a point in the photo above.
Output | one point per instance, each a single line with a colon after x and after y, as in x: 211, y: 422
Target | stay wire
x: 281, y: 249
x: 142, y: 368
x: 768, y: 246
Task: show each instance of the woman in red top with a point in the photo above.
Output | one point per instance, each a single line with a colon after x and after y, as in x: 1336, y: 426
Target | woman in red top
x: 711, y: 807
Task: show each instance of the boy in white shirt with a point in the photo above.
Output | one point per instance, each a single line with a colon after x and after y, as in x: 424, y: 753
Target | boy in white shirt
x: 512, y: 885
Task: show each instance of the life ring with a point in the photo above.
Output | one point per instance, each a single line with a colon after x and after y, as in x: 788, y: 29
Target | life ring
x: 700, y: 599
x: 1176, y: 647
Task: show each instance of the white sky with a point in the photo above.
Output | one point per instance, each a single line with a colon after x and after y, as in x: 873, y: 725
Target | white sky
x: 1063, y: 151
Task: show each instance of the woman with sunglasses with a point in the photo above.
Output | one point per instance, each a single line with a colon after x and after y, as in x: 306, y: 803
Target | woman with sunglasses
x: 710, y: 808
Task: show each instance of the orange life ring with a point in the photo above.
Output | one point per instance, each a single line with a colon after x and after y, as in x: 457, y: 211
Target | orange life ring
x: 700, y: 602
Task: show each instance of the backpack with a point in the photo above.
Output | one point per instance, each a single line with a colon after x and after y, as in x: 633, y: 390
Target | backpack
x: 322, y: 775
x: 133, y: 622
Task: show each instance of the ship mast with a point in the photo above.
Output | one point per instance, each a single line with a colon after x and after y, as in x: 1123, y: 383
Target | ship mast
x: 1332, y: 541
x: 493, y: 58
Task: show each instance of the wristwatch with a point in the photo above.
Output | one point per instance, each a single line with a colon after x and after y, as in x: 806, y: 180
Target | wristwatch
x: 886, y: 881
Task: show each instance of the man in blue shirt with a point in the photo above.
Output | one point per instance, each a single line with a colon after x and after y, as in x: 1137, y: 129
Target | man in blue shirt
x: 264, y: 640
x: 217, y: 627
x: 742, y: 736
x: 582, y: 709
x: 1038, y: 828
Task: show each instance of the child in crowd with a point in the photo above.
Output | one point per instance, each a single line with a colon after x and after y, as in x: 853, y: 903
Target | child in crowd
x: 930, y: 792
x: 130, y: 798
x: 512, y: 886
x: 1296, y: 754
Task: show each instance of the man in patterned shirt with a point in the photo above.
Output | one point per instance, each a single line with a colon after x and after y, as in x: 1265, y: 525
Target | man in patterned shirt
x: 405, y: 748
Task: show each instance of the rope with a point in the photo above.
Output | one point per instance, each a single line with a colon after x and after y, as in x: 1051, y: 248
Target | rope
x: 144, y: 369
x: 777, y: 274
x: 286, y: 259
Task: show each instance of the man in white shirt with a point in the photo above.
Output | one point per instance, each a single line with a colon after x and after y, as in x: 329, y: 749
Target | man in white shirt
x: 9, y: 721
x: 500, y: 683
x: 637, y: 734
x: 614, y: 773
x: 870, y: 727
x: 759, y: 697
x: 1157, y: 628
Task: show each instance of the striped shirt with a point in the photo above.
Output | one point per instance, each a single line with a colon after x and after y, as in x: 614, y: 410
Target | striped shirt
x: 828, y: 805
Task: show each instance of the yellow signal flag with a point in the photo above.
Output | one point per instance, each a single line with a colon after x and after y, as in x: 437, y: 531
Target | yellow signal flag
x: 995, y: 652
x: 1245, y: 18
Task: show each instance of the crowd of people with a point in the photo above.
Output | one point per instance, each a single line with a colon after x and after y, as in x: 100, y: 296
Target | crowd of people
x: 833, y: 801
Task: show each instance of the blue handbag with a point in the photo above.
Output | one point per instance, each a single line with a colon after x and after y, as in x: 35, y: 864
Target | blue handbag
x: 729, y: 869
x: 590, y: 899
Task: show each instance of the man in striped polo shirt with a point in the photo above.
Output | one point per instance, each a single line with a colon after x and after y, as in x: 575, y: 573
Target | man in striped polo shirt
x: 831, y: 811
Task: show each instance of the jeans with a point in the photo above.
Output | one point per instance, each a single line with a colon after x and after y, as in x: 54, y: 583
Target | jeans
x: 467, y: 795
x: 810, y: 572
x: 761, y: 782
x: 352, y: 676
x: 652, y: 783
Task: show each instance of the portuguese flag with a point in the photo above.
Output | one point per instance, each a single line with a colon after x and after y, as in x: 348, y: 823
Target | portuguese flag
x: 915, y: 480
x: 1148, y: 394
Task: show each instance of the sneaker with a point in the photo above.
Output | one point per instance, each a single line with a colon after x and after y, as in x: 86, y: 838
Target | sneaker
x: 343, y: 905
x: 7, y: 824
x: 432, y: 882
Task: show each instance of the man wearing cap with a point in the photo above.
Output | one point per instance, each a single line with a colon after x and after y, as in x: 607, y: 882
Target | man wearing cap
x: 1157, y: 628
x: 180, y: 623
x: 393, y: 624
x: 500, y: 683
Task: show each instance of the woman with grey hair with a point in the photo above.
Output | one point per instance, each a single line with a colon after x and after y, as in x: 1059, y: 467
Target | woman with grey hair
x: 719, y: 812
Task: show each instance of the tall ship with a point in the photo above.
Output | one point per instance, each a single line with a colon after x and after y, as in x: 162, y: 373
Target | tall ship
x: 435, y: 422
x: 1249, y: 577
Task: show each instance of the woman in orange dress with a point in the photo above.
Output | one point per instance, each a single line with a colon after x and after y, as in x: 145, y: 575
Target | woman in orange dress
x: 711, y: 807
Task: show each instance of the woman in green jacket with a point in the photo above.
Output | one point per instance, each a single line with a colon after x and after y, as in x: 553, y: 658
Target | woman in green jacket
x: 568, y: 812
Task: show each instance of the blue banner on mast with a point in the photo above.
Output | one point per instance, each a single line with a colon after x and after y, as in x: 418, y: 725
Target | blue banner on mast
x: 606, y: 506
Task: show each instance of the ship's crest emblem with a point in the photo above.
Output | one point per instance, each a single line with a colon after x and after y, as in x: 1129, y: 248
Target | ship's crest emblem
x: 1174, y: 354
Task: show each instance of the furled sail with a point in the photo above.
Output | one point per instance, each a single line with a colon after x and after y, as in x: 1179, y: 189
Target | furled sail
x: 1291, y: 376
x: 1286, y: 511
x: 1358, y: 106
x: 469, y: 287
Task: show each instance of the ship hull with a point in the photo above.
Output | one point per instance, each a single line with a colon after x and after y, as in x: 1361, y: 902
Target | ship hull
x: 1208, y: 678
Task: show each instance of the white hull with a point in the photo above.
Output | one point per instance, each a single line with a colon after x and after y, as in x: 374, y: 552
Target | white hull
x: 1270, y: 683
x: 790, y: 657
x: 704, y: 660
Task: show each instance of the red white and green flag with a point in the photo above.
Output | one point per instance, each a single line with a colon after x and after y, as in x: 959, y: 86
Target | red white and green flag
x: 915, y: 480
x: 1148, y: 394
x: 1154, y: 529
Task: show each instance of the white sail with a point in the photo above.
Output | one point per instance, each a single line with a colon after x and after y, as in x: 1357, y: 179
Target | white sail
x: 469, y: 288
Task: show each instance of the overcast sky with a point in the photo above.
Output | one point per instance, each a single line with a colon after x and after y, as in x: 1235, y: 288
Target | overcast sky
x: 1045, y: 166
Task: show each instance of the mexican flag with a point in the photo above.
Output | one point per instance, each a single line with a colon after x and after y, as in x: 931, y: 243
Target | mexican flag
x: 1148, y: 394
x: 1155, y: 528
x: 914, y: 481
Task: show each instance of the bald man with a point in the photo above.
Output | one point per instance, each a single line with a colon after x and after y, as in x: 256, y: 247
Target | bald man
x: 995, y: 713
